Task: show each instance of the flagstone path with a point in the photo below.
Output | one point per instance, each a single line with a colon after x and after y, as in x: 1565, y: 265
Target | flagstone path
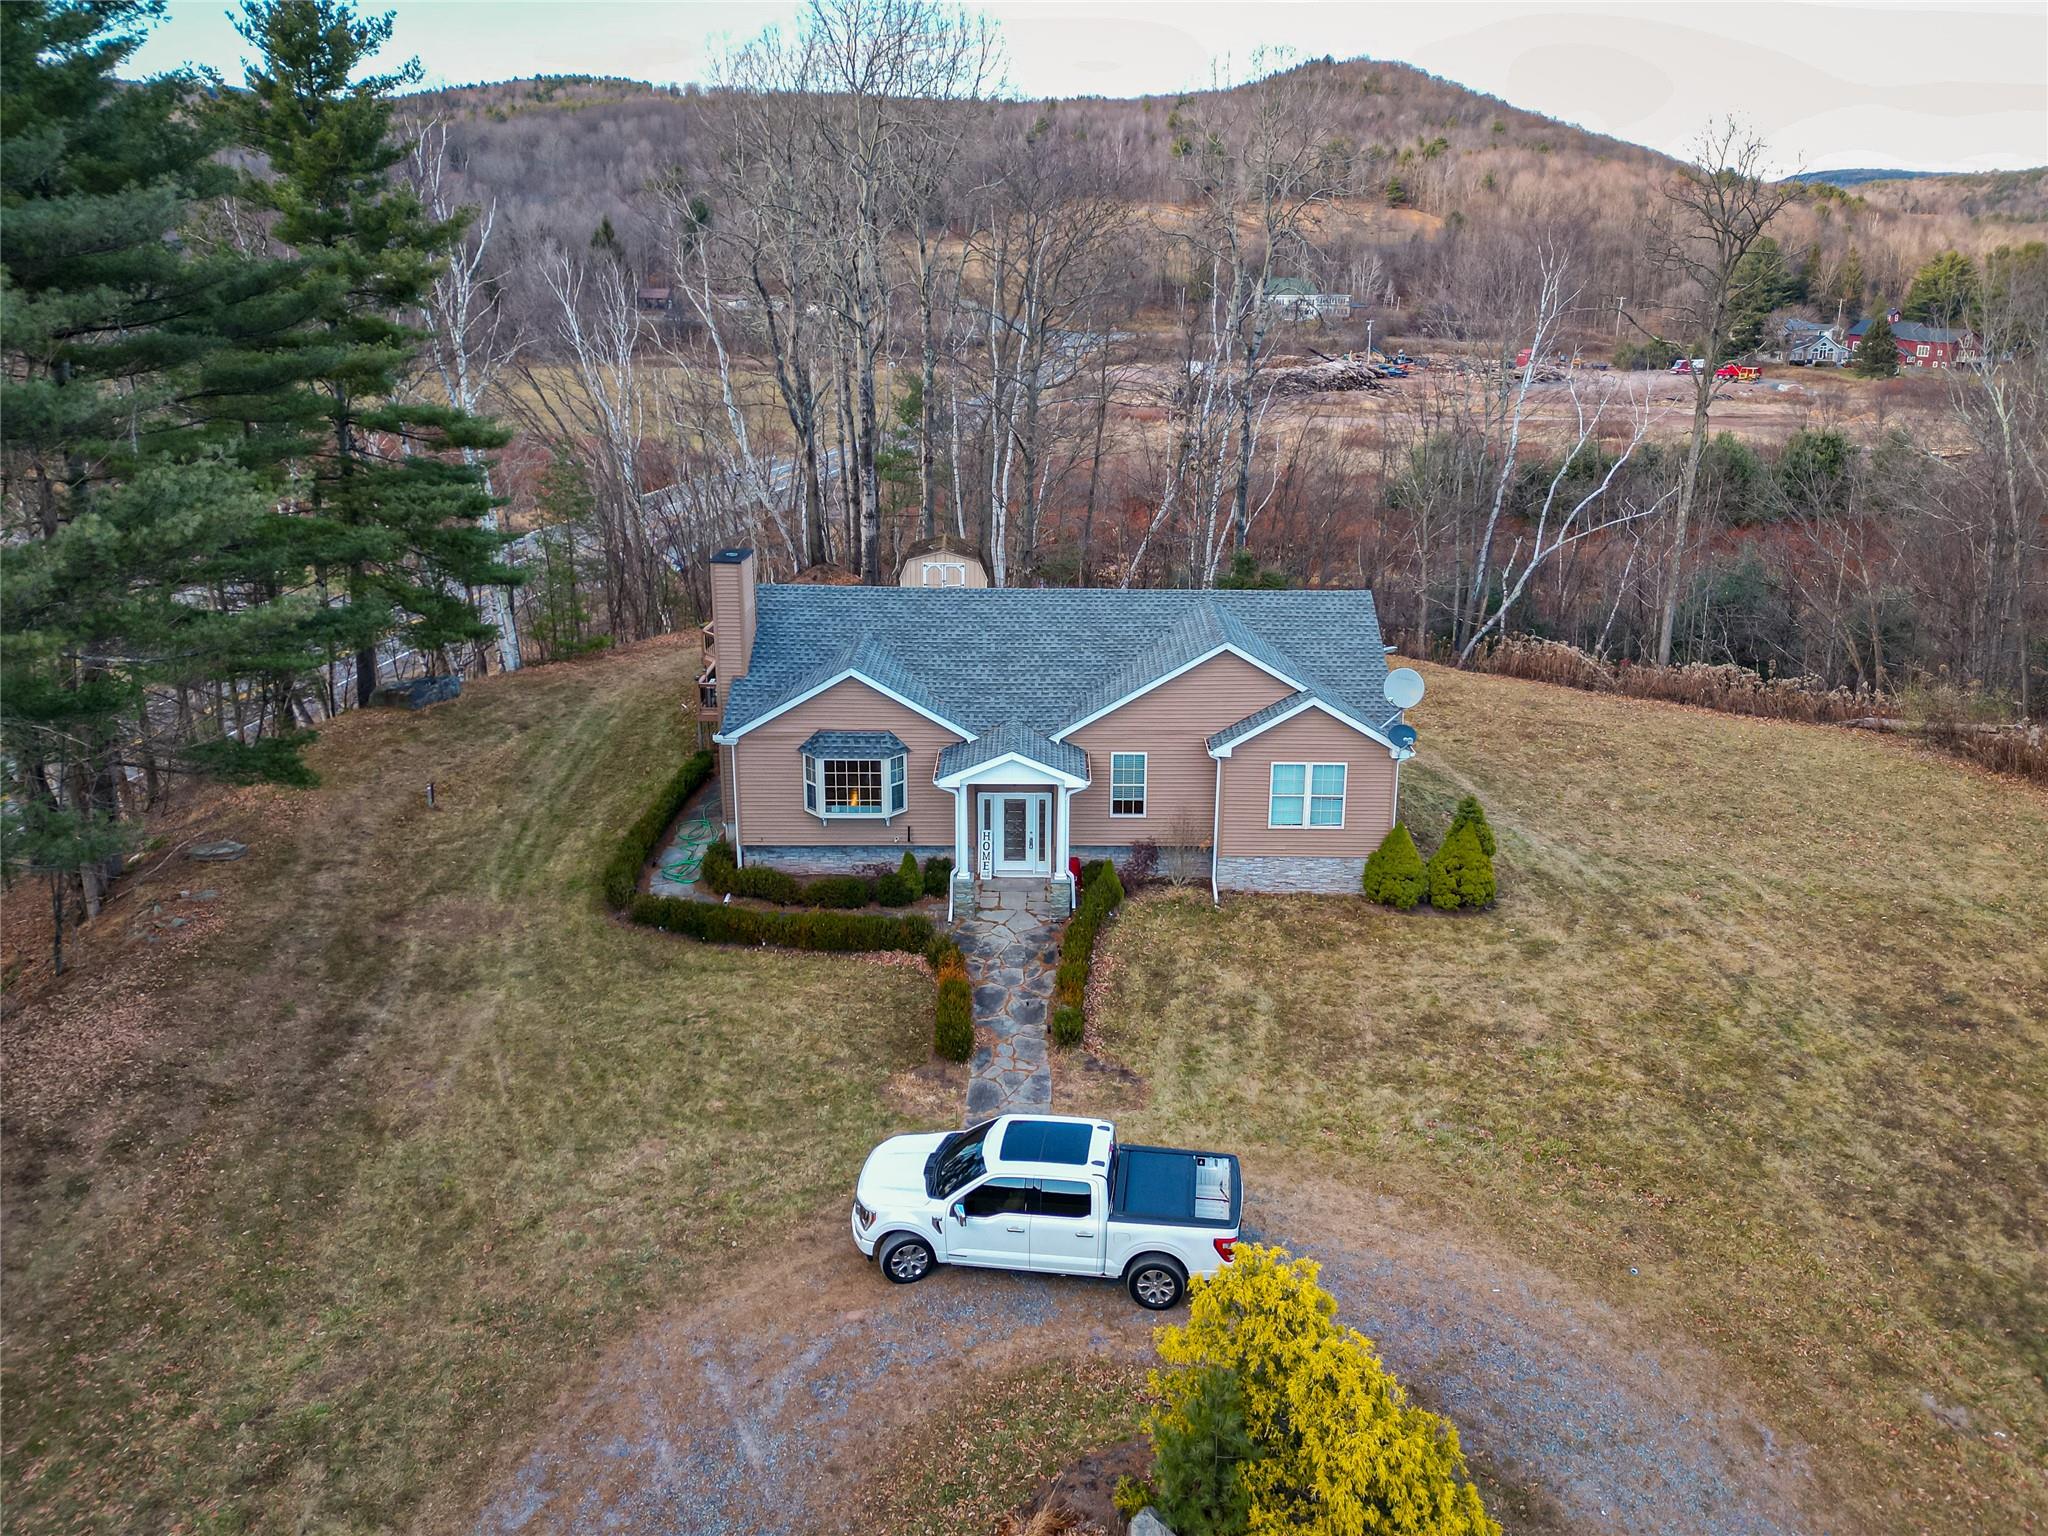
x: 1011, y: 941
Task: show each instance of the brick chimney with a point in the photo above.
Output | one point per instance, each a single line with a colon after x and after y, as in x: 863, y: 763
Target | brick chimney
x: 732, y: 612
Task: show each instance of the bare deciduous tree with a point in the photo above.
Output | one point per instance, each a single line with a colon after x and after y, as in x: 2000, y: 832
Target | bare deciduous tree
x: 1716, y: 208
x: 468, y: 342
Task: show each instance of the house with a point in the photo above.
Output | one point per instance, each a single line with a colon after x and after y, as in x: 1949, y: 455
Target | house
x: 1809, y: 344
x: 656, y: 297
x: 944, y: 561
x: 1925, y: 346
x: 1296, y: 297
x: 1016, y: 729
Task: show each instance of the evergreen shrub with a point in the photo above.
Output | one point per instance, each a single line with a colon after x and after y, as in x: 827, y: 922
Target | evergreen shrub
x: 1394, y: 875
x: 1460, y: 873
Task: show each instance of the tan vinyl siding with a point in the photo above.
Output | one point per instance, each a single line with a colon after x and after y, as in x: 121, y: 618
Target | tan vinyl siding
x: 972, y: 574
x: 771, y: 781
x: 1172, y: 725
x: 733, y: 617
x: 1310, y: 737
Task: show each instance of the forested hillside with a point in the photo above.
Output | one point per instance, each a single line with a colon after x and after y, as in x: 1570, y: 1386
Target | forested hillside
x: 317, y: 385
x: 562, y: 154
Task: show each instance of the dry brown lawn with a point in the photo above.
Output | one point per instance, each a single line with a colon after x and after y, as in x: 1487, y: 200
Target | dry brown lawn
x: 315, y: 1201
x: 1754, y: 1046
x: 319, y: 1192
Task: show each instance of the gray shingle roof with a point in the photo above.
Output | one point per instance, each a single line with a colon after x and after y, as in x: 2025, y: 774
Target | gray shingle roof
x: 1044, y: 658
x: 1230, y: 735
x: 1911, y: 330
x: 990, y: 745
x: 1252, y: 721
x: 852, y: 744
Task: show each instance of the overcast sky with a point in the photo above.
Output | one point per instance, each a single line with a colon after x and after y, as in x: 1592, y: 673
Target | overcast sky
x: 1912, y: 87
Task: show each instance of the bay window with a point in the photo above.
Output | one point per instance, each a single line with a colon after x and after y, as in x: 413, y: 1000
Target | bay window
x: 855, y: 773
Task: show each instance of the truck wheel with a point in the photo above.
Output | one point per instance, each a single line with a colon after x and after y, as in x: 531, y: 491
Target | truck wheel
x: 907, y: 1260
x: 1155, y: 1283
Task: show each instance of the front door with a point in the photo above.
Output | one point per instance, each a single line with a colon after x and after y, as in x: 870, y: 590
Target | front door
x: 1017, y: 830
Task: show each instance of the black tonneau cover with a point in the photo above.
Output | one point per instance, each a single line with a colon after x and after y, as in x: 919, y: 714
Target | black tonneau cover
x: 1158, y: 1184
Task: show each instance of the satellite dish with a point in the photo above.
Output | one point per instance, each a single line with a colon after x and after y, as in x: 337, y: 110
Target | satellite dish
x: 1402, y: 736
x: 1404, y: 688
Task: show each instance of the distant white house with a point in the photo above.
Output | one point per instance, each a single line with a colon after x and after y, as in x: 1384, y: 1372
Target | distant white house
x: 1809, y: 344
x: 1297, y: 298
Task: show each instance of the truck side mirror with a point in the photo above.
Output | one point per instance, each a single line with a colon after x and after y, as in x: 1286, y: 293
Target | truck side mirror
x: 960, y: 1212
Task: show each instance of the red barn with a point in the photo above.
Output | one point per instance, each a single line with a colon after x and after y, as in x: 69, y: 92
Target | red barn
x: 1924, y: 346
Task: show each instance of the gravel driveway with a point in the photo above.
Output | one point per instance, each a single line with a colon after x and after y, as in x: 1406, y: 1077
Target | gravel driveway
x: 750, y: 1415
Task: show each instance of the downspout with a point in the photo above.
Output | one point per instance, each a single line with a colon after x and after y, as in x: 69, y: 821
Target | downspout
x: 739, y: 844
x: 1215, y: 836
x: 953, y: 874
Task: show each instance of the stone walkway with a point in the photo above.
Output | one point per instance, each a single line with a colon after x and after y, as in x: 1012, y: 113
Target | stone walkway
x: 1012, y: 948
x: 675, y: 871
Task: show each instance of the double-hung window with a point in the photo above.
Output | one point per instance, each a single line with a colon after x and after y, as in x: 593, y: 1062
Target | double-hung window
x: 1127, y: 783
x: 1306, y: 795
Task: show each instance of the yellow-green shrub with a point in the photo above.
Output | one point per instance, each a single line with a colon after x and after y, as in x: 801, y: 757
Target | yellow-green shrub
x: 1394, y: 876
x: 1460, y: 873
x: 953, y: 1019
x: 1335, y: 1445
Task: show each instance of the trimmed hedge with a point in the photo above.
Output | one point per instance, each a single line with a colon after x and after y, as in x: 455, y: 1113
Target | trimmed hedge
x: 1067, y: 1024
x: 621, y: 876
x: 839, y: 932
x: 841, y: 892
x: 721, y: 872
x: 898, y: 888
x: 1102, y: 892
x: 829, y: 932
x: 938, y: 873
x: 902, y: 886
x: 953, y: 1016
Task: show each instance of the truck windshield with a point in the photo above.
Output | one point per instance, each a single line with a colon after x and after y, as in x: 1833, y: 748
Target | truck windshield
x: 956, y: 1161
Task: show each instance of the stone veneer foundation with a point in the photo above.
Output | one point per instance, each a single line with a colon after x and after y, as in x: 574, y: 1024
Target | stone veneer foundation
x: 1271, y: 874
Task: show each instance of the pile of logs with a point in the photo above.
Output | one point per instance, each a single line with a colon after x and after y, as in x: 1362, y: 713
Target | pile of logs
x: 1353, y: 371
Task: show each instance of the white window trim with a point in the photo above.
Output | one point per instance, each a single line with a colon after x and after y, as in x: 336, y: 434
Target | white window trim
x: 951, y: 573
x: 1144, y: 785
x: 1308, y: 797
x: 814, y: 777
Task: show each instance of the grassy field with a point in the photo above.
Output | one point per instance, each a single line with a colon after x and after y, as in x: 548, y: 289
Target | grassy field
x: 319, y: 1192
x: 1755, y: 1045
x: 407, y: 1132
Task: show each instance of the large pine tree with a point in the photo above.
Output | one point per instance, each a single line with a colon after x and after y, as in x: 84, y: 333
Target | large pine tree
x: 1877, y: 354
x: 133, y: 561
x: 391, y: 518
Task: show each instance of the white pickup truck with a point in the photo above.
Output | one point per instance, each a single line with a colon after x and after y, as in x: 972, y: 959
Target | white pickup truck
x: 1052, y: 1194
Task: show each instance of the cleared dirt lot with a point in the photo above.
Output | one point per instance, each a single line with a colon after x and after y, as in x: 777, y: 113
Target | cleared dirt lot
x: 774, y: 1406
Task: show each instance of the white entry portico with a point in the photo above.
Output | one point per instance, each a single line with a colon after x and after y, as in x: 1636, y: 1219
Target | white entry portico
x: 1010, y: 810
x: 1014, y: 835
